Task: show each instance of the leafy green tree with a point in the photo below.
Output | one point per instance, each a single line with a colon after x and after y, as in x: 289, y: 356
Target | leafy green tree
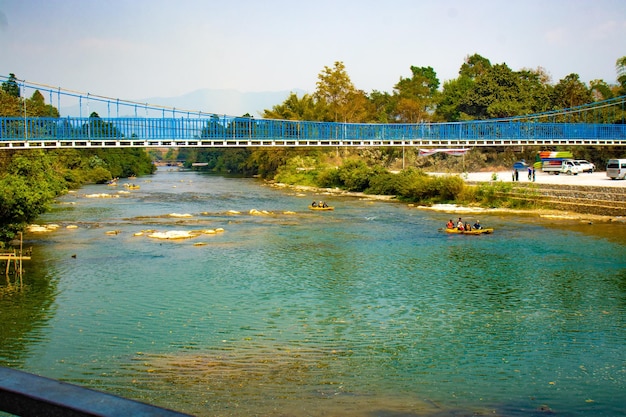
x: 499, y: 92
x: 29, y: 183
x: 294, y: 108
x: 214, y: 129
x: 335, y: 90
x: 10, y: 106
x: 494, y: 94
x: 358, y: 109
x: 233, y: 161
x: 11, y: 87
x: 454, y: 91
x: 416, y: 97
x: 570, y: 92
x: 534, y: 90
x: 268, y: 162
x: 36, y: 107
x: 121, y: 162
x: 474, y: 66
x: 450, y: 107
x: 383, y: 105
x: 241, y: 127
x: 189, y: 155
x: 98, y: 128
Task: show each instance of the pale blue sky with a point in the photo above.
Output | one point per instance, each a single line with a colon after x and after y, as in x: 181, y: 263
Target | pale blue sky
x: 145, y: 48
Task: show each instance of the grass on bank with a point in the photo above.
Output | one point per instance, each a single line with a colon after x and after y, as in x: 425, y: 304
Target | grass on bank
x: 411, y: 185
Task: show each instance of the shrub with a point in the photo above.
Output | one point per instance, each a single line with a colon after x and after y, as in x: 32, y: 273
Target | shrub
x: 328, y: 178
x: 493, y: 194
x: 355, y: 175
x: 98, y: 175
x: 384, y: 183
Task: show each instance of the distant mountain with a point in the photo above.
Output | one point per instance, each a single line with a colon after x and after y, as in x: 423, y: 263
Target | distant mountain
x: 220, y: 102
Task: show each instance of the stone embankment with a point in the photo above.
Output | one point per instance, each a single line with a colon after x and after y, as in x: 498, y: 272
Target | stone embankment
x: 584, y: 193
x: 604, y: 201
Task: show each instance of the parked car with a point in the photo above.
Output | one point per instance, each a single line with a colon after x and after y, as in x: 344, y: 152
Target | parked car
x: 585, y: 166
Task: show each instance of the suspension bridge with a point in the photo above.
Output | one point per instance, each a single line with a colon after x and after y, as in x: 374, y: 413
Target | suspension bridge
x: 124, y: 123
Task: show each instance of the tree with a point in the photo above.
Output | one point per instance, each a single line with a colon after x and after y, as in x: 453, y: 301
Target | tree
x: 36, y: 107
x: 335, y: 90
x: 450, y: 107
x: 500, y: 92
x: 382, y: 104
x: 29, y: 183
x: 10, y: 106
x: 98, y: 128
x: 415, y: 97
x: 474, y: 66
x: 294, y: 108
x: 454, y: 91
x: 570, y: 92
x: 494, y: 94
x: 213, y: 129
x: 10, y: 86
x: 535, y: 90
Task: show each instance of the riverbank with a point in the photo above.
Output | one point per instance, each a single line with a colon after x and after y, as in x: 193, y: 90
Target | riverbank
x: 596, y: 180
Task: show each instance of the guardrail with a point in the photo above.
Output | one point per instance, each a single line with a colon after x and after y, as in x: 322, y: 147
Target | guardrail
x: 28, y: 395
x: 249, y: 132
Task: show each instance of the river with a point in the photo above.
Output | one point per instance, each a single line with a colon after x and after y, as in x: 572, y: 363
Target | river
x: 367, y: 310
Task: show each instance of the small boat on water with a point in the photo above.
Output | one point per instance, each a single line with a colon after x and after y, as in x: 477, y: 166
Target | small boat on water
x: 470, y: 232
x: 318, y: 208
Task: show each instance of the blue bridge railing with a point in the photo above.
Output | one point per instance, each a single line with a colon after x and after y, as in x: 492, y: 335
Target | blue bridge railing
x: 220, y: 131
x: 129, y: 123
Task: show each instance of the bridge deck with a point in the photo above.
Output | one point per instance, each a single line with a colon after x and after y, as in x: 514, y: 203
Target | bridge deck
x: 165, y: 143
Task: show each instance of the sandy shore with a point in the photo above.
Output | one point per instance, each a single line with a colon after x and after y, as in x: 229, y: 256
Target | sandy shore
x: 543, y: 213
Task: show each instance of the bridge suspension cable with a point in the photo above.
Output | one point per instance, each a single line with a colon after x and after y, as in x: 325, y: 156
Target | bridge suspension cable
x: 197, y: 128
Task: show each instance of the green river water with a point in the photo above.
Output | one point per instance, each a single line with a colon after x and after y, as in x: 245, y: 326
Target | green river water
x: 367, y: 310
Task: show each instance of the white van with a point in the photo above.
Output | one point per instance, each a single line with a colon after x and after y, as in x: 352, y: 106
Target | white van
x: 616, y: 169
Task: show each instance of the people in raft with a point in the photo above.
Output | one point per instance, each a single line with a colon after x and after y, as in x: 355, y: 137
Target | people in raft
x: 464, y: 226
x: 321, y: 204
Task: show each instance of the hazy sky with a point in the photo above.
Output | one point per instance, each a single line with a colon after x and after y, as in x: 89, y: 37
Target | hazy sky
x: 146, y: 48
